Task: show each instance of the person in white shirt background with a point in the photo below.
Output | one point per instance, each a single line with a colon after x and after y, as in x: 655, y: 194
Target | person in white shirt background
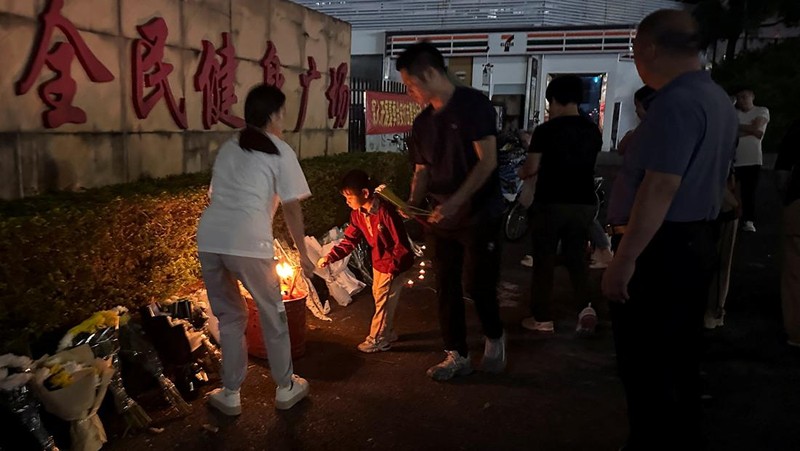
x: 749, y: 158
x: 250, y: 176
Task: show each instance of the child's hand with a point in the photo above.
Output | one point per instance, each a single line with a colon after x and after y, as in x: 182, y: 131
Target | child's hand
x: 323, y: 262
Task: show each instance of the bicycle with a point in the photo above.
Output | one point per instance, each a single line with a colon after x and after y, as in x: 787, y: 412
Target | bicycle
x: 401, y: 143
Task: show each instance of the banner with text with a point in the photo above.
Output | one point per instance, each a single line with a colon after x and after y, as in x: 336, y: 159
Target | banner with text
x: 389, y: 112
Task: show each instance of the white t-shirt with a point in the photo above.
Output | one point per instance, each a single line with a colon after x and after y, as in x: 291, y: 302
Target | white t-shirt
x: 246, y: 189
x: 749, y: 151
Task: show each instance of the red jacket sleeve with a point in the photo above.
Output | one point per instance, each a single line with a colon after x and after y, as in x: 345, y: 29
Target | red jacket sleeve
x: 402, y: 256
x: 352, y: 236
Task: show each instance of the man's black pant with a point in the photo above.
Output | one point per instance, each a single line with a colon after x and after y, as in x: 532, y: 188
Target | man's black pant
x: 748, y: 178
x: 658, y: 334
x: 569, y: 224
x: 467, y: 258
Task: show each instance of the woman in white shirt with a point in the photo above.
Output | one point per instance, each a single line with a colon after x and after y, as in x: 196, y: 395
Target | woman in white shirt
x: 250, y: 176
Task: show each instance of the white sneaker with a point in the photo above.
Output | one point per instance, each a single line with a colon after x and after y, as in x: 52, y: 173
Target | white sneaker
x: 226, y: 401
x: 587, y: 321
x: 545, y: 327
x: 527, y: 261
x: 287, y: 397
x: 712, y: 322
x: 453, y: 365
x: 749, y: 226
x: 494, y: 355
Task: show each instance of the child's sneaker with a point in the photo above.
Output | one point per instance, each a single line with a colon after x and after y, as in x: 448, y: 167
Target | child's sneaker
x: 226, y: 401
x: 371, y: 345
x: 453, y: 365
x: 543, y: 327
x: 587, y: 321
x: 494, y: 355
x: 287, y: 397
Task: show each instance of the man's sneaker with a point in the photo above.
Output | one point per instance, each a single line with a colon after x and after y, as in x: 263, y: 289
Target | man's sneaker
x: 527, y: 261
x: 371, y: 345
x: 452, y: 365
x: 287, y: 397
x: 587, y: 321
x: 494, y: 355
x: 391, y: 337
x: 545, y: 327
x: 749, y: 226
x: 226, y: 401
x: 712, y: 322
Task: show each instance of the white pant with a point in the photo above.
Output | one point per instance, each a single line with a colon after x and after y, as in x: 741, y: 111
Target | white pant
x: 220, y: 274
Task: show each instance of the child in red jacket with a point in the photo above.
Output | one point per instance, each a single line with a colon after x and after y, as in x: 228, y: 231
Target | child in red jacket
x: 380, y: 224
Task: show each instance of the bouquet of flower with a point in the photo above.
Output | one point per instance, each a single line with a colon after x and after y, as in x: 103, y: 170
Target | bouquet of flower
x: 19, y: 403
x: 100, y: 332
x: 188, y: 311
x: 72, y: 385
x: 137, y: 349
x: 188, y: 354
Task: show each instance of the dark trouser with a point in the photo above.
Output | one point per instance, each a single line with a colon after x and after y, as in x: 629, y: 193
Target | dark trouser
x: 473, y: 253
x: 658, y: 333
x: 748, y: 178
x: 551, y: 223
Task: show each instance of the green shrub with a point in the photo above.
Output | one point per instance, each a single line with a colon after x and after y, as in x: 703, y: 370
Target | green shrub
x: 66, y: 255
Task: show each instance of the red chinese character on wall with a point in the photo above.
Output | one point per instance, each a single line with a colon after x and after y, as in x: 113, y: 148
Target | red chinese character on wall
x: 58, y: 92
x: 215, y: 79
x: 150, y: 71
x: 305, y: 81
x: 272, y: 67
x: 338, y: 95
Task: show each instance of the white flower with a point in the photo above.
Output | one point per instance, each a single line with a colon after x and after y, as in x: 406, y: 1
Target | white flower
x: 15, y: 381
x: 15, y: 361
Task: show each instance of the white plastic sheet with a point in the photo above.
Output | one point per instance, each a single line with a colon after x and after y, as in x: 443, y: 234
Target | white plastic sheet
x: 341, y: 282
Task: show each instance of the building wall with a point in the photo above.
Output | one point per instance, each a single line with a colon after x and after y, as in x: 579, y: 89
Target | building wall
x: 623, y: 81
x: 114, y: 145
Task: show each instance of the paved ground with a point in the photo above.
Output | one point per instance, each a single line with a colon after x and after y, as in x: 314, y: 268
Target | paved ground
x: 559, y: 393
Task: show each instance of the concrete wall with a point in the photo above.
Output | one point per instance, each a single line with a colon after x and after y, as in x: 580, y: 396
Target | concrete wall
x: 623, y: 81
x: 115, y: 146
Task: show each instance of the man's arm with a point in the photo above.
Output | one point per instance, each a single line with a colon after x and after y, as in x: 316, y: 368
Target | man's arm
x: 528, y: 173
x: 486, y: 150
x: 755, y: 128
x: 653, y: 200
x: 419, y: 185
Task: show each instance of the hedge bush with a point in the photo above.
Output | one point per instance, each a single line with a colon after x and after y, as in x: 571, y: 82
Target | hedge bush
x: 66, y: 255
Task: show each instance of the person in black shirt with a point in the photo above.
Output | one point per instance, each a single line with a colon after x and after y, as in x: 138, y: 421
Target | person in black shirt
x: 454, y: 151
x: 559, y: 179
x: 788, y: 170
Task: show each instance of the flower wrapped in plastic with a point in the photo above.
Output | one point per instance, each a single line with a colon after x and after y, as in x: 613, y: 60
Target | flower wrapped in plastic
x: 19, y: 404
x: 136, y: 348
x: 178, y: 330
x: 101, y: 333
x: 71, y: 385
